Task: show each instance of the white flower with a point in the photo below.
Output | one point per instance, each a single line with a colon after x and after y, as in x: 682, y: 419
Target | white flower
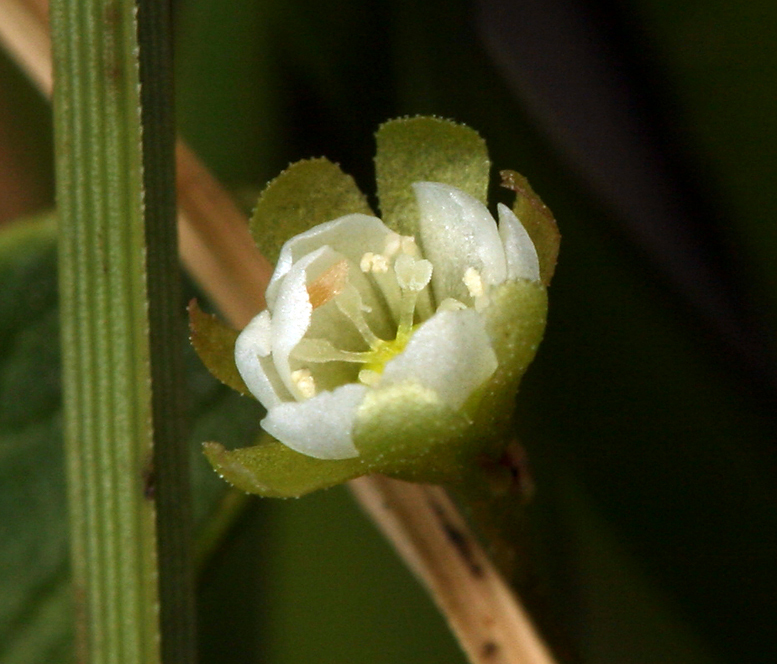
x: 353, y: 307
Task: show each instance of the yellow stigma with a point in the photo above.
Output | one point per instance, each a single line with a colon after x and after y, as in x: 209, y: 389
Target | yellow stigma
x: 378, y: 356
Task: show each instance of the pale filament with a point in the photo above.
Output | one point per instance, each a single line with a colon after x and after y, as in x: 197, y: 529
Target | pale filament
x: 412, y: 273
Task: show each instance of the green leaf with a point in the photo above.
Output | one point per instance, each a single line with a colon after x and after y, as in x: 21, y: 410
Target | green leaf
x: 35, y: 613
x: 306, y: 194
x: 426, y: 149
x: 538, y: 221
x: 273, y: 470
x: 36, y: 616
x: 214, y: 342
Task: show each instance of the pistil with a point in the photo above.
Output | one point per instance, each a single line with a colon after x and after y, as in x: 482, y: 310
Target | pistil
x: 412, y: 274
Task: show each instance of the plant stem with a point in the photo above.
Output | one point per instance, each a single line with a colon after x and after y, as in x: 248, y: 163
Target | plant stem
x: 127, y: 460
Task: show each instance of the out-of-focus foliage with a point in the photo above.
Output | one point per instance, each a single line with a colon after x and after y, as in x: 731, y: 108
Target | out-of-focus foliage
x: 655, y: 516
x: 35, y: 611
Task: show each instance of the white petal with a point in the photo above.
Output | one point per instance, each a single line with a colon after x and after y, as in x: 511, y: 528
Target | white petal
x: 450, y: 353
x: 253, y: 361
x: 352, y: 235
x: 295, y: 317
x: 291, y: 316
x: 320, y: 427
x: 457, y: 232
x: 521, y: 255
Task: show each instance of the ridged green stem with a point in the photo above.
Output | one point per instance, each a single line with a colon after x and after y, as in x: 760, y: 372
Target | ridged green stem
x: 127, y: 461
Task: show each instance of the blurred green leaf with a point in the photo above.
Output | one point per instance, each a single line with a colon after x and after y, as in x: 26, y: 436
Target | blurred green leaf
x: 312, y: 580
x: 35, y: 612
x: 228, y: 89
x: 654, y: 511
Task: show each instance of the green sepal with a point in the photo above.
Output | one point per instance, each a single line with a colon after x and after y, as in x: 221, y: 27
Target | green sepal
x: 538, y: 221
x: 431, y: 150
x: 407, y: 432
x: 306, y: 194
x: 273, y: 470
x: 214, y: 342
x: 515, y: 322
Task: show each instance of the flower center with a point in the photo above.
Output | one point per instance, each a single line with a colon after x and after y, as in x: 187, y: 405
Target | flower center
x: 401, y: 263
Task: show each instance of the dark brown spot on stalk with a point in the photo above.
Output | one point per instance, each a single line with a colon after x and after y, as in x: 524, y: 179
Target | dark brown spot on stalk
x: 489, y: 650
x: 460, y: 540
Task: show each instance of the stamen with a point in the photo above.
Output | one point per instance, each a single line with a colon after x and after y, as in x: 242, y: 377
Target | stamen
x: 374, y: 263
x: 304, y: 382
x: 329, y: 284
x: 412, y: 277
x: 369, y: 377
x: 412, y: 274
x: 474, y: 282
x: 321, y: 350
x: 349, y: 302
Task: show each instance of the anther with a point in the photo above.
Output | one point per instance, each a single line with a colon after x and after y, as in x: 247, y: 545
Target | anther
x: 304, y: 382
x: 328, y: 284
x: 412, y: 274
x: 374, y: 263
x: 474, y: 282
x: 366, y: 262
x: 369, y: 377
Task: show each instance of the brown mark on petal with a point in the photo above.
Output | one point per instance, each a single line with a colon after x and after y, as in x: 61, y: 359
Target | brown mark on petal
x: 460, y: 541
x: 328, y: 284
